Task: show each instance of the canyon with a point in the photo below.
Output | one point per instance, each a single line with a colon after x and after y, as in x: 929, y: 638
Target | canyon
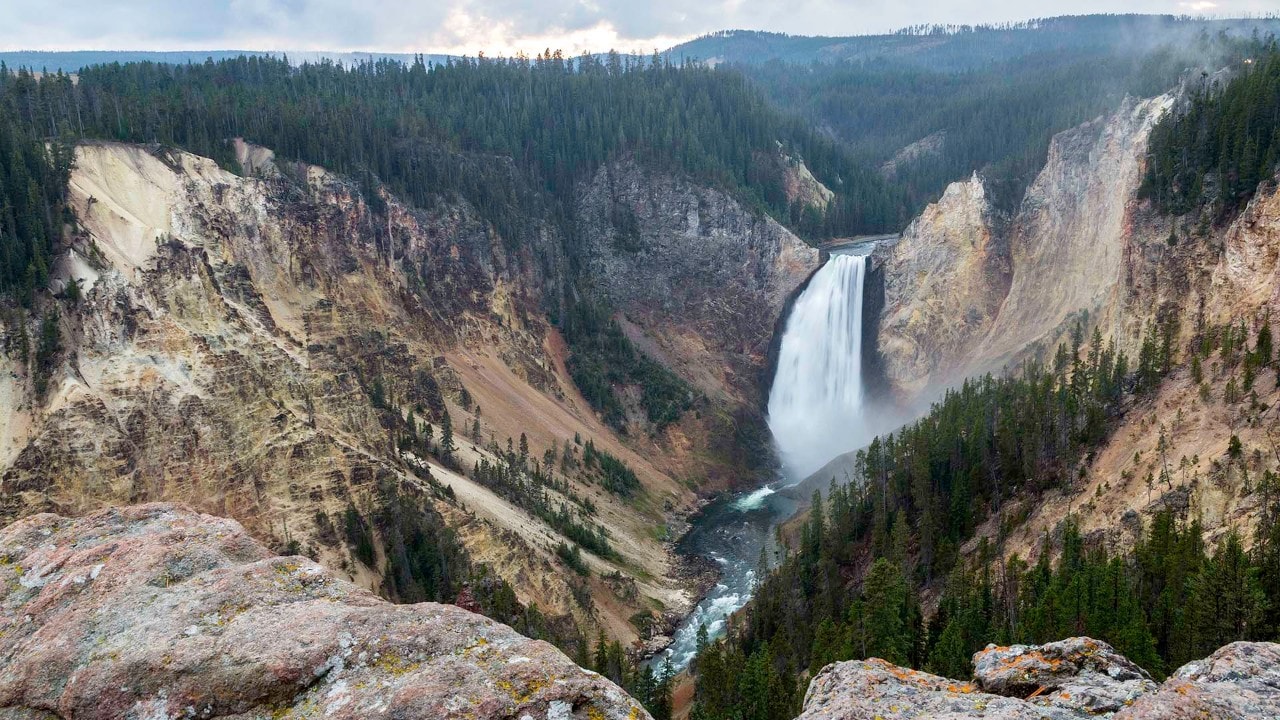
x: 232, y: 328
x: 265, y: 391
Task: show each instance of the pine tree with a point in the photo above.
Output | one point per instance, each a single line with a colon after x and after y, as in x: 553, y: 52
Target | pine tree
x: 951, y: 655
x: 1227, y: 598
x: 447, y: 446
x: 884, y: 596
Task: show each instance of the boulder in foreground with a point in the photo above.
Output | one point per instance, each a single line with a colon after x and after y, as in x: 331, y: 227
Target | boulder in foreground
x: 1078, y: 674
x: 1073, y: 679
x: 867, y: 689
x: 1240, y: 681
x: 157, y: 611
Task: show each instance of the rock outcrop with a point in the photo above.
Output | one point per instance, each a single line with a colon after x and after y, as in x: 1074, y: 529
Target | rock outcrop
x: 866, y: 689
x: 1068, y: 240
x: 1072, y: 679
x: 156, y: 611
x: 944, y: 282
x: 1238, y: 682
x: 1079, y: 674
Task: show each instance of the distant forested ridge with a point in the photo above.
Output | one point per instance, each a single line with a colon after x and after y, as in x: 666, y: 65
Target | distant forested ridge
x: 1213, y: 153
x: 997, y: 121
x: 72, y: 61
x: 431, y: 132
x: 962, y: 48
x: 997, y: 116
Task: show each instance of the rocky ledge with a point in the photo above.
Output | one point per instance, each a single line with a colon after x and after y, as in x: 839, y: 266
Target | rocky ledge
x: 157, y: 611
x: 1071, y: 679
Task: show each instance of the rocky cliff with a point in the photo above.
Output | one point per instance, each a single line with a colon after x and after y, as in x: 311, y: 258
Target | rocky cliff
x: 1173, y: 449
x: 944, y: 282
x: 969, y: 291
x: 1083, y: 250
x: 270, y: 347
x: 1068, y: 239
x: 156, y: 611
x: 700, y: 283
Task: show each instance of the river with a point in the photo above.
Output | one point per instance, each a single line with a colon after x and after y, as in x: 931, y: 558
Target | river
x: 730, y: 532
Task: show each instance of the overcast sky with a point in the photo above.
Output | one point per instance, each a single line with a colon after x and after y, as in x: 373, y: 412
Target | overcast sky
x: 504, y: 26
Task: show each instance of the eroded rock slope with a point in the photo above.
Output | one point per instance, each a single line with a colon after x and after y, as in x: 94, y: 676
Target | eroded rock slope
x: 257, y: 345
x: 969, y: 291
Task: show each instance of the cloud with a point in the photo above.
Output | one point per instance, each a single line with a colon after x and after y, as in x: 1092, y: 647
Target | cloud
x: 499, y: 26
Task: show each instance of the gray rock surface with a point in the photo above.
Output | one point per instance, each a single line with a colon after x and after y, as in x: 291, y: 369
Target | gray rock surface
x: 1077, y: 674
x: 703, y: 279
x: 867, y: 689
x: 1239, y: 681
x: 1071, y: 679
x: 156, y: 611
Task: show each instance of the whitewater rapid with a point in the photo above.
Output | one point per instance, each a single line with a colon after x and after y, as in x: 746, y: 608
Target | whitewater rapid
x: 816, y: 402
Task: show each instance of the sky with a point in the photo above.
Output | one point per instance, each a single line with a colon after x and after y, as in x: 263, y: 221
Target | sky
x: 506, y: 27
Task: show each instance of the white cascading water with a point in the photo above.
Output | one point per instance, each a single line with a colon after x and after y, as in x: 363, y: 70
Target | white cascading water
x: 815, y: 405
x: 815, y: 413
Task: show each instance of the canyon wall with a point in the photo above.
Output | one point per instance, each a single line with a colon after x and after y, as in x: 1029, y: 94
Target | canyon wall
x: 257, y: 345
x: 701, y: 279
x: 944, y: 281
x: 969, y: 291
x: 700, y: 283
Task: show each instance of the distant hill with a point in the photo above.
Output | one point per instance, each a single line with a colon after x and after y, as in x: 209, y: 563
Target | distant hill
x: 931, y: 105
x: 957, y: 48
x: 74, y: 60
x: 936, y: 47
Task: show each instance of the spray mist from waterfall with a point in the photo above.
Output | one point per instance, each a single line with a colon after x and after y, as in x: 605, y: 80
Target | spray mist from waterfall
x: 817, y: 403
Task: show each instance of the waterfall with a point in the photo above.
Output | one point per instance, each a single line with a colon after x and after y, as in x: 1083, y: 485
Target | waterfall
x: 816, y: 413
x: 816, y: 404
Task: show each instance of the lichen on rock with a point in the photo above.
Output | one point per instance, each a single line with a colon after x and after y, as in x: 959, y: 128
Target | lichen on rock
x: 157, y: 611
x: 1072, y: 679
